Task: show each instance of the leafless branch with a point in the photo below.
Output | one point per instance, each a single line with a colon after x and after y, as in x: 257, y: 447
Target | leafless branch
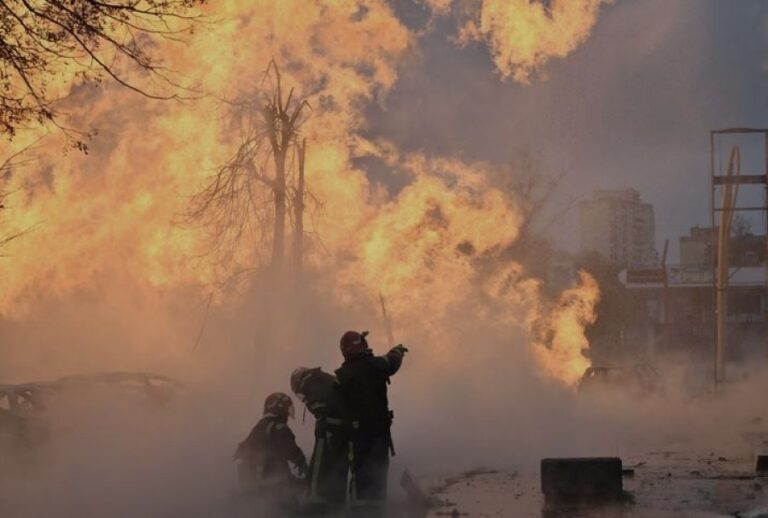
x: 39, y: 40
x: 249, y: 195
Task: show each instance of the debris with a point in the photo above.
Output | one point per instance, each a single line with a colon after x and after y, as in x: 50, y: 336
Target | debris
x: 722, y: 476
x: 465, y: 477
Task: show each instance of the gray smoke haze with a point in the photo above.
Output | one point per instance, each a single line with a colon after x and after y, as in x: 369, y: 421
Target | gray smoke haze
x: 475, y: 402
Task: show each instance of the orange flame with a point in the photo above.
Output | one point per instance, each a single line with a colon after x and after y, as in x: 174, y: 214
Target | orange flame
x: 562, y: 344
x: 115, y: 211
x: 434, y: 248
x: 523, y: 35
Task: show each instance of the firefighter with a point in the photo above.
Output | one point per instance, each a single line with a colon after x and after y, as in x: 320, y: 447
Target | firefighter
x: 267, y: 457
x: 363, y: 379
x: 328, y: 468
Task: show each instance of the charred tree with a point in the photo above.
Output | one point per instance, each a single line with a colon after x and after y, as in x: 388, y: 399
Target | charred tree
x: 252, y: 192
x: 282, y: 120
x: 278, y: 234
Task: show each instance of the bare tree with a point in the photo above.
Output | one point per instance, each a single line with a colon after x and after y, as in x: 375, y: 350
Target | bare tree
x: 532, y: 190
x: 41, y: 39
x: 282, y: 121
x: 7, y: 167
x: 253, y: 188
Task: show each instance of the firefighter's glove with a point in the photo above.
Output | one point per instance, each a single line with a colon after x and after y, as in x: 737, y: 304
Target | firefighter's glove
x: 400, y: 349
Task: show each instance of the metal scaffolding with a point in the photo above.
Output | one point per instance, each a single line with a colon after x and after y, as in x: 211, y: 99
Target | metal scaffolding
x: 728, y: 186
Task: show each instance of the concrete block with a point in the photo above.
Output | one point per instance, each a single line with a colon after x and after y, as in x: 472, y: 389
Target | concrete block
x: 761, y: 465
x: 582, y: 480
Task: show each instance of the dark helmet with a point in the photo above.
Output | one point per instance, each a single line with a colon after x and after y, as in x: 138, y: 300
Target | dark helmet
x: 353, y: 342
x: 279, y: 404
x: 298, y: 378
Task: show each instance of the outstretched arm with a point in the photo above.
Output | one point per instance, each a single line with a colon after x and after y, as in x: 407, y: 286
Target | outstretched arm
x: 390, y: 363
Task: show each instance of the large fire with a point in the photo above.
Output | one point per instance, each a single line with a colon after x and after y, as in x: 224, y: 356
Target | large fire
x: 523, y: 35
x: 435, y: 246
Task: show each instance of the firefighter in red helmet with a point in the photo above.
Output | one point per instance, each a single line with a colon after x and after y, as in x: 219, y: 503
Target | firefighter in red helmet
x: 269, y: 456
x: 363, y: 379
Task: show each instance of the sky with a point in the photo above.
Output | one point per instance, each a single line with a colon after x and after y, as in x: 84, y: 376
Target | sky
x: 631, y: 107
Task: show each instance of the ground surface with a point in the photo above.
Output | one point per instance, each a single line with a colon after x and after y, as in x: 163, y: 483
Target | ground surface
x: 679, y: 480
x: 665, y: 484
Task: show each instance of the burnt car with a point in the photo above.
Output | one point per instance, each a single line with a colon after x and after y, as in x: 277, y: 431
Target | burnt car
x: 27, y: 410
x: 21, y: 413
x: 153, y: 388
x: 636, y: 380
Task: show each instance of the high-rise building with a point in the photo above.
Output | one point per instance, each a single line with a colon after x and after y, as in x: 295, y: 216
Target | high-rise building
x: 620, y: 227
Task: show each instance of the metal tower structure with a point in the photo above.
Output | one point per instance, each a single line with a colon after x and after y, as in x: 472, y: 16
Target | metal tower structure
x: 723, y: 205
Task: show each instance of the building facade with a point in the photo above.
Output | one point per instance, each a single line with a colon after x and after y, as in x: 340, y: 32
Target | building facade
x: 695, y: 248
x: 745, y: 249
x: 618, y: 226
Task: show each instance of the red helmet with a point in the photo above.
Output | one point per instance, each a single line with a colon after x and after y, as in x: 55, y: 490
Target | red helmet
x: 353, y: 342
x: 279, y: 404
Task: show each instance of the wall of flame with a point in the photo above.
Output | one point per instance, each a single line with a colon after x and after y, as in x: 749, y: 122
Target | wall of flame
x: 115, y: 213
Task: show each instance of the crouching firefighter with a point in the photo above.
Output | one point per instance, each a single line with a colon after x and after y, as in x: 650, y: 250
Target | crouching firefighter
x: 328, y: 468
x: 363, y: 379
x: 267, y: 457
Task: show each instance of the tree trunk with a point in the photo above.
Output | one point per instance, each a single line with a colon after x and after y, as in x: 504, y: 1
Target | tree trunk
x: 278, y: 236
x: 298, y: 213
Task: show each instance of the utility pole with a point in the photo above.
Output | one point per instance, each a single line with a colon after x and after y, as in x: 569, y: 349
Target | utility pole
x: 730, y: 192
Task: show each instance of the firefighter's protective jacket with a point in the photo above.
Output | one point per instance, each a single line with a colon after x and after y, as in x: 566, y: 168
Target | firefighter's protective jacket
x: 363, y: 379
x: 323, y: 397
x: 270, y: 449
x: 330, y: 458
